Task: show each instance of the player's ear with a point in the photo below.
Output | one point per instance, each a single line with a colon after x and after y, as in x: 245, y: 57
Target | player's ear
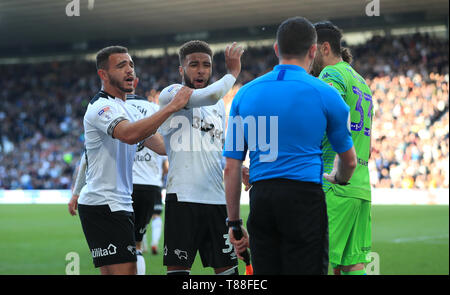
x: 275, y: 48
x: 135, y: 82
x: 326, y: 49
x: 312, y: 51
x: 102, y: 74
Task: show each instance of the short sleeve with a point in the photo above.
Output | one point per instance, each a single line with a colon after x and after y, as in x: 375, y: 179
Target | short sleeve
x: 105, y: 115
x: 235, y: 144
x: 333, y: 78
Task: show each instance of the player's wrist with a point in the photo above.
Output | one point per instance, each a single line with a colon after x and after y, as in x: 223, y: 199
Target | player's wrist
x: 337, y: 181
x: 234, y: 73
x: 234, y: 223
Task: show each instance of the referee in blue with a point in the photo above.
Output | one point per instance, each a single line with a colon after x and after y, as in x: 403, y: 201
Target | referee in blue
x: 287, y: 223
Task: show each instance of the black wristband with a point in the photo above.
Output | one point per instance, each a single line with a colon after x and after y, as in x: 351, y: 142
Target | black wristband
x: 338, y: 182
x: 233, y: 223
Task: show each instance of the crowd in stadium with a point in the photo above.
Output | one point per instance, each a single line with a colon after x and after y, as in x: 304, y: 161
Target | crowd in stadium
x: 41, y: 130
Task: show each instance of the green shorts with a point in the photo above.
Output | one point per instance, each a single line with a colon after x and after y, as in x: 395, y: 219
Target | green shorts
x: 350, y: 229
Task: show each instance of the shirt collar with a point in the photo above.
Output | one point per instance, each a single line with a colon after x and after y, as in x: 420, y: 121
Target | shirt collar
x: 107, y: 95
x: 289, y: 67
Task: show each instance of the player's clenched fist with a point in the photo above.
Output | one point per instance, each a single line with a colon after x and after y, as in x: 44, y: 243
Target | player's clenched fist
x: 181, y: 98
x: 233, y: 55
x: 73, y: 205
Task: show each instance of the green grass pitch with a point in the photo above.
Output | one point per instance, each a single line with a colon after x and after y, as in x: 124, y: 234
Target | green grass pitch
x: 34, y: 239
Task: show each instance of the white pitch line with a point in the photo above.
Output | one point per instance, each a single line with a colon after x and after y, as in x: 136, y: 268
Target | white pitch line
x: 419, y: 239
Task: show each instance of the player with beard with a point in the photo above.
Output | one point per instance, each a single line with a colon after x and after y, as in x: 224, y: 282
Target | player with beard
x: 349, y: 206
x: 195, y: 203
x: 112, y: 128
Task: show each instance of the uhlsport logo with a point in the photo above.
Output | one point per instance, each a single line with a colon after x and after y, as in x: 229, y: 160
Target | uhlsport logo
x: 99, y: 252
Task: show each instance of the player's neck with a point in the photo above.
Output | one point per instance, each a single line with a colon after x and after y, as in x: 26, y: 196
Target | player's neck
x: 334, y: 60
x: 305, y: 64
x: 114, y: 91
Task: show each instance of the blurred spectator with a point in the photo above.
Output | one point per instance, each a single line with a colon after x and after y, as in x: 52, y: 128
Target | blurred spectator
x: 41, y: 129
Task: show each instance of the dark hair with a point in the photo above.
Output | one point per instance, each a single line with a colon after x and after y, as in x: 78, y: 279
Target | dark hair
x: 327, y: 32
x: 346, y: 55
x: 103, y: 55
x: 193, y: 46
x: 295, y: 36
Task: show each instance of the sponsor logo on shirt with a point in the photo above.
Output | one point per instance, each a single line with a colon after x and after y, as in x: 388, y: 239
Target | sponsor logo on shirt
x: 105, y: 113
x: 102, y: 111
x: 147, y: 157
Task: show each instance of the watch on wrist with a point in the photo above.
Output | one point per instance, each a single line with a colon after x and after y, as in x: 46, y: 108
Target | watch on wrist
x: 233, y: 223
x: 338, y: 182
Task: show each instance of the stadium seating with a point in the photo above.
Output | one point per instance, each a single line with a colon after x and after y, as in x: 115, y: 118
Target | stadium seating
x: 41, y: 130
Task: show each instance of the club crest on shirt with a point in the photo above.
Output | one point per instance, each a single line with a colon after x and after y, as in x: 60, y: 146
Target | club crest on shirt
x: 181, y: 254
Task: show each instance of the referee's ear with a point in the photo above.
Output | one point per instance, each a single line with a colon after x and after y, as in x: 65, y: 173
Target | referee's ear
x: 275, y: 48
x: 312, y: 51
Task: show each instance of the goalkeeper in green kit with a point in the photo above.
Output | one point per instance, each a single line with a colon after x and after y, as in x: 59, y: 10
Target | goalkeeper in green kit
x: 348, y: 204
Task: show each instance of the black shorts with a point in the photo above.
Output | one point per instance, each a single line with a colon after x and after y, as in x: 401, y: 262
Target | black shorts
x: 110, y: 235
x: 143, y: 204
x: 288, y: 228
x: 189, y: 227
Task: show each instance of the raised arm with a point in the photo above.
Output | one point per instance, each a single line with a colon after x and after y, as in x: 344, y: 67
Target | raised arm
x: 211, y: 94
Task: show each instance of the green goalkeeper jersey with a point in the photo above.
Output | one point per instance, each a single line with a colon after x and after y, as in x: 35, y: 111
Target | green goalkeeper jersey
x: 358, y: 97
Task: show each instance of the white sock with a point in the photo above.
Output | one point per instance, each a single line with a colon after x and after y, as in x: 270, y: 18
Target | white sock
x: 140, y: 263
x: 144, y: 244
x: 156, y: 230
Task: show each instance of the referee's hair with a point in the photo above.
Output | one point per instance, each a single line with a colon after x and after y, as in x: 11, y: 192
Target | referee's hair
x: 193, y: 46
x: 295, y: 36
x: 103, y: 55
x: 328, y: 32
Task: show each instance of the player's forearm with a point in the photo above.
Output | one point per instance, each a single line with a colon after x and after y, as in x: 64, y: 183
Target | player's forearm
x: 80, y: 179
x: 211, y: 94
x: 156, y: 144
x: 232, y: 179
x: 346, y: 165
x: 134, y: 132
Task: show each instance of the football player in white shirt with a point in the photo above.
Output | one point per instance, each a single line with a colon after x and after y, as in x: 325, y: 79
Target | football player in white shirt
x: 147, y: 183
x: 195, y: 207
x: 112, y: 129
